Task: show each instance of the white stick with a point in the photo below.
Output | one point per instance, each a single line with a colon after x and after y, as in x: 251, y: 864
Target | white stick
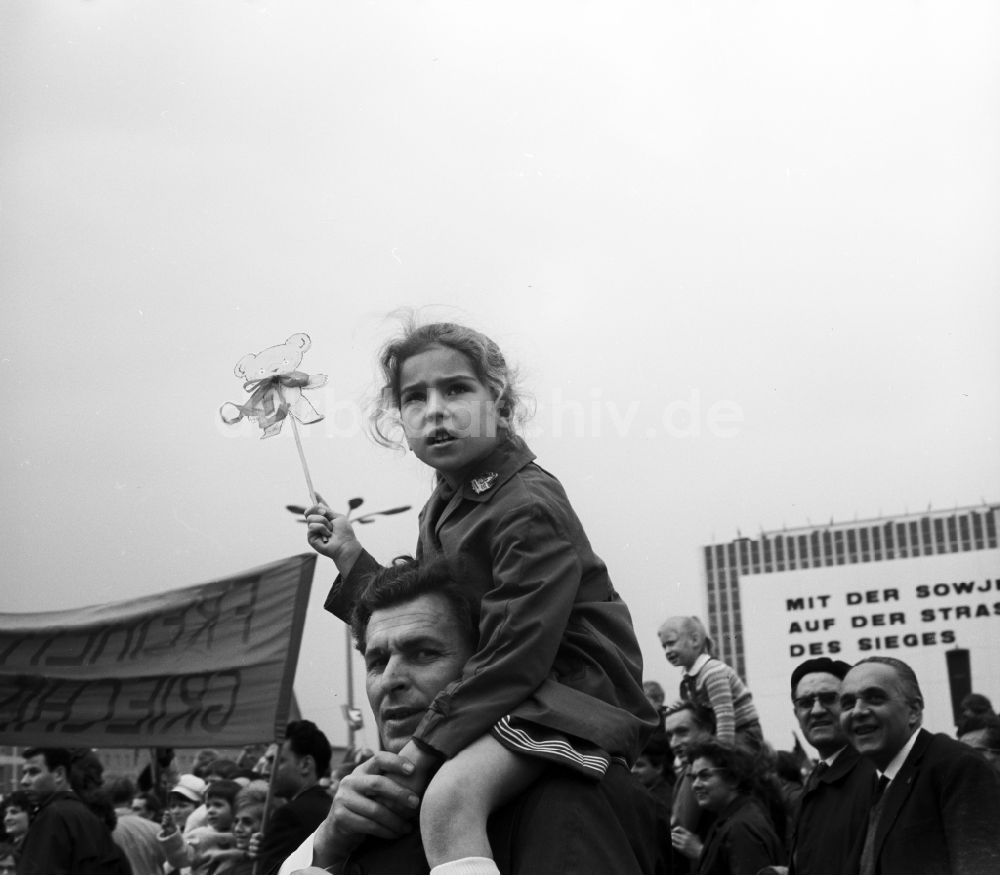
x: 302, y: 457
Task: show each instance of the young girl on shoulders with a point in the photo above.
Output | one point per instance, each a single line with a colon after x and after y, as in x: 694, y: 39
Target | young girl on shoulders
x: 558, y: 674
x: 709, y: 682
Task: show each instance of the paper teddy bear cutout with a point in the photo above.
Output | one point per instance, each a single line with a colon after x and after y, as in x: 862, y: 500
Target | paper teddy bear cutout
x: 275, y: 386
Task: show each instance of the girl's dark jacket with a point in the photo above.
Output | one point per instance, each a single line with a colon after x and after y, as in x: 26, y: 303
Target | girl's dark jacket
x: 556, y: 644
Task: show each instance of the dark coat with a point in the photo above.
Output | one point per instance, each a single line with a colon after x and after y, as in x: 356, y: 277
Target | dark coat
x: 559, y: 648
x: 941, y: 813
x: 292, y: 824
x: 741, y: 841
x: 67, y: 838
x: 563, y: 824
x: 831, y: 816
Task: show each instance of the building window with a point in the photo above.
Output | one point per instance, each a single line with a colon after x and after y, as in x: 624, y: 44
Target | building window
x: 915, y: 538
x: 977, y: 529
x: 963, y: 527
x: 827, y: 548
x: 863, y: 537
x: 991, y: 529
x: 952, y: 529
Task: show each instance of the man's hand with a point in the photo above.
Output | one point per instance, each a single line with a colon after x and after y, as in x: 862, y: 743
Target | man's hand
x: 425, y: 765
x: 368, y: 802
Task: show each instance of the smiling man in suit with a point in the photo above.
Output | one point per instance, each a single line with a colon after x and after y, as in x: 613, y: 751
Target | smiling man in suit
x: 936, y: 806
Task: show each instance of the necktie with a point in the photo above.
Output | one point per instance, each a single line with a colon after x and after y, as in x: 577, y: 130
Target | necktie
x: 880, y: 786
x: 867, y: 866
x: 812, y: 782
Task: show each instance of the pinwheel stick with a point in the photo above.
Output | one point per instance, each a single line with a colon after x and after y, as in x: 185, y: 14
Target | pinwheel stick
x: 302, y: 458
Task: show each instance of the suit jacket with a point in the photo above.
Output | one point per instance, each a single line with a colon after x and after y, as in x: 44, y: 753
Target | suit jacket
x: 291, y: 824
x: 559, y: 646
x: 831, y: 816
x: 941, y: 813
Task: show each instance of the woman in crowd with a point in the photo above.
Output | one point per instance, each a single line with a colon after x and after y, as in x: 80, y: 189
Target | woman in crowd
x: 16, y: 814
x: 743, y: 839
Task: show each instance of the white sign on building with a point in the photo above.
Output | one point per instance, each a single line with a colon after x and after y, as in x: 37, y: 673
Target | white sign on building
x: 914, y: 609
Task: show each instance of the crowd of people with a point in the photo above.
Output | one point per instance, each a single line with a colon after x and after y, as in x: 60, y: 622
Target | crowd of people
x: 69, y: 817
x: 693, y: 801
x: 516, y: 734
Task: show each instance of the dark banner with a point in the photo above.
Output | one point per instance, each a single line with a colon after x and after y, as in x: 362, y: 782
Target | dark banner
x: 210, y: 664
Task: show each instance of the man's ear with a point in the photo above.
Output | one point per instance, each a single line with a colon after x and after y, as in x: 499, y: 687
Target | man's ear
x: 307, y: 764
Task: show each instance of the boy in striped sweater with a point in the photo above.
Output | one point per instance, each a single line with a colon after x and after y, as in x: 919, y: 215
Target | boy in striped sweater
x: 709, y: 682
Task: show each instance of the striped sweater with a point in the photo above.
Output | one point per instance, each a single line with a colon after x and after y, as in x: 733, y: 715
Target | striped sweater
x: 718, y: 687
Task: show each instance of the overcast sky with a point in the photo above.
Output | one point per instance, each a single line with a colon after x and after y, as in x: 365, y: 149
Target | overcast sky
x: 744, y: 253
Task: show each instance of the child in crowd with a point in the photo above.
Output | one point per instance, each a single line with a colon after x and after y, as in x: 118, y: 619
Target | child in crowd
x: 557, y: 677
x: 711, y: 683
x: 248, y: 813
x: 184, y: 797
x: 199, y: 848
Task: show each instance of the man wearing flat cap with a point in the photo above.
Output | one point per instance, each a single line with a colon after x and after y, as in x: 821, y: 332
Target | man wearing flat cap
x: 834, y: 805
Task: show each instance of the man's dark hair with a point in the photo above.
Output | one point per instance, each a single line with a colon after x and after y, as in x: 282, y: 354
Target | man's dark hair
x: 407, y: 579
x: 837, y: 667
x: 53, y: 756
x: 306, y: 739
x: 703, y: 717
x: 977, y: 703
x: 225, y: 769
x: 152, y: 802
x: 990, y: 724
x: 122, y: 791
x: 226, y: 790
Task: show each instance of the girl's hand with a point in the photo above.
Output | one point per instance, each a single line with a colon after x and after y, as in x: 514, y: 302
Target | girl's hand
x: 331, y: 534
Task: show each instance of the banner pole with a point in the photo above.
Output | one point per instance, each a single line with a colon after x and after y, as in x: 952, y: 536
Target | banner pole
x: 269, y: 799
